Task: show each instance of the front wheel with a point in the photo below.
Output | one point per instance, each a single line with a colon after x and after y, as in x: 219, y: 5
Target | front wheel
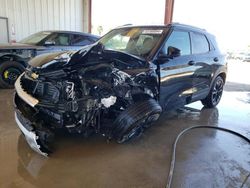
x: 131, y: 122
x: 9, y: 72
x: 215, y: 93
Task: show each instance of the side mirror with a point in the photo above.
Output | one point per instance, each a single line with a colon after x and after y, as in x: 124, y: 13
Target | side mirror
x: 162, y: 58
x: 49, y: 43
x: 173, y: 52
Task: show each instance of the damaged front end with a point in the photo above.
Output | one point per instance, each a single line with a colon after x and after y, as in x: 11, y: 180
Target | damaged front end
x: 80, y: 101
x: 82, y: 93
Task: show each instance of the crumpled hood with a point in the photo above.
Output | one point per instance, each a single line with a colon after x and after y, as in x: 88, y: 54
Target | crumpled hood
x: 90, y: 55
x: 53, y: 60
x: 11, y: 46
x: 50, y: 62
x: 41, y: 60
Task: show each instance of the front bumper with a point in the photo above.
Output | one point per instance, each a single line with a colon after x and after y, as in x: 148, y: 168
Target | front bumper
x: 21, y: 99
x: 22, y: 94
x: 30, y: 135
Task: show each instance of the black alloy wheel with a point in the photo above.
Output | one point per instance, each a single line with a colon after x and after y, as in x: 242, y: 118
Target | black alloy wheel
x: 215, y: 93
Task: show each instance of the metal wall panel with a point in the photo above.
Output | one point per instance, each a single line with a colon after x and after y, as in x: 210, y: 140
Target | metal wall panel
x: 4, y: 37
x: 29, y: 16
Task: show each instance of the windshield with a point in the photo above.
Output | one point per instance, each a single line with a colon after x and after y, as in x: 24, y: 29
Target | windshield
x: 138, y: 41
x: 35, y: 38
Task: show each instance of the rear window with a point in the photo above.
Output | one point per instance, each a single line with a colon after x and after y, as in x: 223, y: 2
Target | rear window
x: 199, y: 43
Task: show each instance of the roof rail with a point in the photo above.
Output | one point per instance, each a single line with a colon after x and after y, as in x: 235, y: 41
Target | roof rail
x: 124, y: 25
x: 185, y: 25
x: 127, y: 24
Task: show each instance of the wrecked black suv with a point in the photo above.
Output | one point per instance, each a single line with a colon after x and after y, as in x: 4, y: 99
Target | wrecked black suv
x: 118, y: 86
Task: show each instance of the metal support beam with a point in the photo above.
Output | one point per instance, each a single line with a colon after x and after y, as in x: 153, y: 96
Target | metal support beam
x: 169, y: 9
x: 89, y: 15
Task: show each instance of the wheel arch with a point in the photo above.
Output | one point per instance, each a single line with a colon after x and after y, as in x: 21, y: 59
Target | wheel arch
x: 223, y: 75
x: 12, y: 57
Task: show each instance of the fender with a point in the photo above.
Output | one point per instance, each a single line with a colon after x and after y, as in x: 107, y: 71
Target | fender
x: 13, y: 57
x: 222, y: 70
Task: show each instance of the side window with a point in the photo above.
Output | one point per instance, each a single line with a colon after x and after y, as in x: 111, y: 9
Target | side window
x: 199, y: 43
x: 80, y: 40
x: 178, y: 40
x: 59, y: 39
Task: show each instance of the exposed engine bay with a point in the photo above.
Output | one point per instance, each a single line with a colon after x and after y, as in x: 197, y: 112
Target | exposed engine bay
x: 56, y: 92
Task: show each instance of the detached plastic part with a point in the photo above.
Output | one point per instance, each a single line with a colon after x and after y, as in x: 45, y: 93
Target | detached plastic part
x: 31, y: 138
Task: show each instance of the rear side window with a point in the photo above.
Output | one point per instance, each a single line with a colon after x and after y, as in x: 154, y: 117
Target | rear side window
x: 80, y: 40
x: 199, y: 43
x: 180, y: 40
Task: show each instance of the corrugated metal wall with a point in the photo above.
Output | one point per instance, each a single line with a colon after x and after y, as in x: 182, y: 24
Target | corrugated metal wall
x: 29, y: 16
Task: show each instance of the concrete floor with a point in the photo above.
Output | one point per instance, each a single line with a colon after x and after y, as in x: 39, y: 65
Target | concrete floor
x: 205, y: 158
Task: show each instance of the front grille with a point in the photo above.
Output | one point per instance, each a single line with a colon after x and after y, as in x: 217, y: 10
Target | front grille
x: 24, y: 112
x: 40, y: 90
x: 28, y: 115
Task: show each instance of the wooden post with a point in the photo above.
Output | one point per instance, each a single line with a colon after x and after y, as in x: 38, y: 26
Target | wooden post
x: 169, y: 9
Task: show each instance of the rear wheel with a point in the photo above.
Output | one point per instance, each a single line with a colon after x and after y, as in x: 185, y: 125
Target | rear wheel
x: 9, y: 72
x: 131, y: 122
x: 215, y: 93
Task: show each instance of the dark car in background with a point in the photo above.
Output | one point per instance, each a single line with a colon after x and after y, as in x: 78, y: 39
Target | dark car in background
x: 14, y: 57
x: 118, y: 86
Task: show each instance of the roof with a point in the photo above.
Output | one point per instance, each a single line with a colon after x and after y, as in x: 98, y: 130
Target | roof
x: 72, y: 32
x: 177, y: 25
x: 189, y: 27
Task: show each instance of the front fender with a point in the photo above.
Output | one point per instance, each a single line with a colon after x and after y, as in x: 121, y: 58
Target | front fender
x: 14, y: 57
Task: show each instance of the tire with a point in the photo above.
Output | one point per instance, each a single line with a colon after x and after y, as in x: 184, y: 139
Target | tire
x: 215, y: 93
x: 131, y: 122
x: 9, y: 72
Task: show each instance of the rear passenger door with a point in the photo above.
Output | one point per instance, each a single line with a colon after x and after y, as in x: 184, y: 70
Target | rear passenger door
x: 176, y: 70
x: 201, y: 50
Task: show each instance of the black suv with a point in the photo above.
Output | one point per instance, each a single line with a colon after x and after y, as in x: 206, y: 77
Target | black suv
x: 118, y: 86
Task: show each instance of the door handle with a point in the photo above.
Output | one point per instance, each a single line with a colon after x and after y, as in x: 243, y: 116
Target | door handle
x: 191, y: 62
x: 216, y: 59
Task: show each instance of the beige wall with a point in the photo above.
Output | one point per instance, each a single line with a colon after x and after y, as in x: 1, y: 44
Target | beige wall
x: 29, y: 16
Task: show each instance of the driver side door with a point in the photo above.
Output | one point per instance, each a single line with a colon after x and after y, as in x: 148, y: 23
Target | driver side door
x: 176, y: 68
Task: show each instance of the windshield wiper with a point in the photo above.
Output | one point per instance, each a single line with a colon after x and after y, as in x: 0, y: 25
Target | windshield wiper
x: 129, y: 54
